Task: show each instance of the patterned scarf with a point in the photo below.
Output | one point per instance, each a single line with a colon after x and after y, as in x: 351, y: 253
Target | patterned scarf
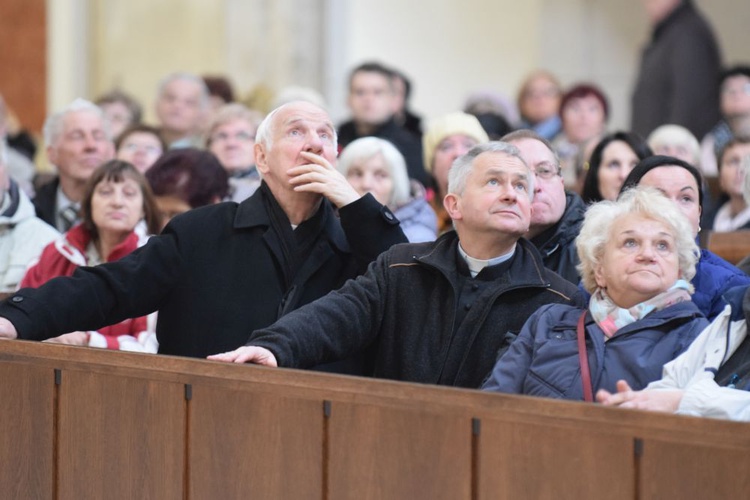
x: 611, y: 318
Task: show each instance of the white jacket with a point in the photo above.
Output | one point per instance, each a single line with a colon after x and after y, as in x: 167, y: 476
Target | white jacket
x: 22, y: 238
x: 694, y: 370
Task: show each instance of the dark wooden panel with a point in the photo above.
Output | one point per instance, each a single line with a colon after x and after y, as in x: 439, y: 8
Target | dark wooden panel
x: 381, y: 452
x: 120, y: 437
x: 26, y: 440
x: 732, y: 246
x: 254, y: 445
x: 518, y: 460
x: 683, y: 470
x: 23, y: 59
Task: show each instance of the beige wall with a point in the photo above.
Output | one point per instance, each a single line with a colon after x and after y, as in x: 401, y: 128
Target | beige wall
x: 448, y: 48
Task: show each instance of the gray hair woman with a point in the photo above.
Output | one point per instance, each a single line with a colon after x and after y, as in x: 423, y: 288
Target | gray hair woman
x: 375, y: 165
x: 637, y: 258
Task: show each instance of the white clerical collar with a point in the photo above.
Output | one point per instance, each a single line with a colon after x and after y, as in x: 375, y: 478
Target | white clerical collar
x: 476, y: 265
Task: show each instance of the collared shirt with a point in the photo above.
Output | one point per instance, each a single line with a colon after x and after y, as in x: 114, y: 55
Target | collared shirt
x: 476, y: 265
x: 61, y: 203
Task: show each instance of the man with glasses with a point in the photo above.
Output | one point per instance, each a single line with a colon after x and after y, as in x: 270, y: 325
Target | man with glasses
x: 556, y: 214
x: 231, y: 137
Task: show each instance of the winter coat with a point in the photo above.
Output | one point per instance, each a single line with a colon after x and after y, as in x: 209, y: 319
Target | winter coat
x: 713, y: 277
x: 66, y: 254
x: 402, y: 314
x: 543, y: 360
x: 215, y: 274
x: 693, y: 371
x: 407, y: 144
x: 558, y: 244
x: 418, y: 221
x: 22, y: 238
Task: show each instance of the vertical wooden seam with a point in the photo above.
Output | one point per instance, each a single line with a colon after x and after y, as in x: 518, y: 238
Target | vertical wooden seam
x: 56, y: 435
x: 186, y: 452
x: 476, y: 427
x: 637, y: 454
x: 326, y: 450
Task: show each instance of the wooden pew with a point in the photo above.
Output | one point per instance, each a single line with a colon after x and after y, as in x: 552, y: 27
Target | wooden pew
x: 87, y: 423
x: 732, y: 246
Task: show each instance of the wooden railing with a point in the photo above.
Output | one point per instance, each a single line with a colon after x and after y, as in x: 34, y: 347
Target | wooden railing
x: 731, y: 246
x: 80, y: 423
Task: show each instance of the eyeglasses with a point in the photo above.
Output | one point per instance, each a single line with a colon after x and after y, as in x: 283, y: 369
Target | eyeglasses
x: 737, y: 89
x: 239, y: 136
x: 545, y: 172
x: 132, y: 147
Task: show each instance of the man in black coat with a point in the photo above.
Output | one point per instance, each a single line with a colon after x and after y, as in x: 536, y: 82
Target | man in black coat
x: 438, y: 312
x: 557, y: 215
x: 217, y: 273
x: 372, y: 102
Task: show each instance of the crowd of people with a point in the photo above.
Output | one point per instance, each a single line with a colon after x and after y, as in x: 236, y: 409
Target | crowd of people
x: 531, y: 251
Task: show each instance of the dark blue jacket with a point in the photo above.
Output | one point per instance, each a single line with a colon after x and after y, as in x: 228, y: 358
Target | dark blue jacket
x: 713, y: 278
x: 543, y: 360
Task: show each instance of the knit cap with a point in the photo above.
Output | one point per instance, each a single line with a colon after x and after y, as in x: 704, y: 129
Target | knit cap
x: 447, y: 125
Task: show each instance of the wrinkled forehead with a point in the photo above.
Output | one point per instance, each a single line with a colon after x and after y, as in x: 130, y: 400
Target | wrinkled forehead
x: 82, y: 119
x: 502, y: 163
x: 302, y: 113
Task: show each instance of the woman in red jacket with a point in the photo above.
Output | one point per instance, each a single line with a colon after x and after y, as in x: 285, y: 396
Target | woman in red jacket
x: 116, y: 200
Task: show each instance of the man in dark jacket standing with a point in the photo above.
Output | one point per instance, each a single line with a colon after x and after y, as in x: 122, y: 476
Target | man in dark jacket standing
x: 438, y: 312
x: 217, y: 273
x: 557, y: 215
x: 678, y: 81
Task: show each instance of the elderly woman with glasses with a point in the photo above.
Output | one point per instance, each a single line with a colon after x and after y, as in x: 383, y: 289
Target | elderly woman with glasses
x: 637, y: 257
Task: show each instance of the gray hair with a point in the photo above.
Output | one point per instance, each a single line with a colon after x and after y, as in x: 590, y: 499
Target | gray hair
x: 525, y: 133
x: 230, y: 112
x: 188, y: 77
x: 3, y: 152
x: 53, y: 125
x: 648, y: 202
x: 463, y: 165
x: 265, y: 129
x: 675, y: 135
x: 367, y: 147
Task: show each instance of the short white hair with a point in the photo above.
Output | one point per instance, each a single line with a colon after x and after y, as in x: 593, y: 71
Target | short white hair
x: 675, y: 135
x: 53, y: 125
x: 647, y: 202
x: 230, y: 112
x: 365, y: 148
x: 188, y: 77
x: 265, y: 129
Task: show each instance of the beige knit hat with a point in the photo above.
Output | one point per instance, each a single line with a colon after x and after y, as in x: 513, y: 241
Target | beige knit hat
x: 445, y: 126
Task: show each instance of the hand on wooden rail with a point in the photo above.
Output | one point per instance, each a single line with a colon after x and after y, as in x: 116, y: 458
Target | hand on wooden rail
x: 247, y: 354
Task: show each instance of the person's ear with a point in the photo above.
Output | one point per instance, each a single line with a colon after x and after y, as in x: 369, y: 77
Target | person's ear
x: 261, y: 157
x: 52, y: 154
x: 452, y: 205
x: 599, y: 276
